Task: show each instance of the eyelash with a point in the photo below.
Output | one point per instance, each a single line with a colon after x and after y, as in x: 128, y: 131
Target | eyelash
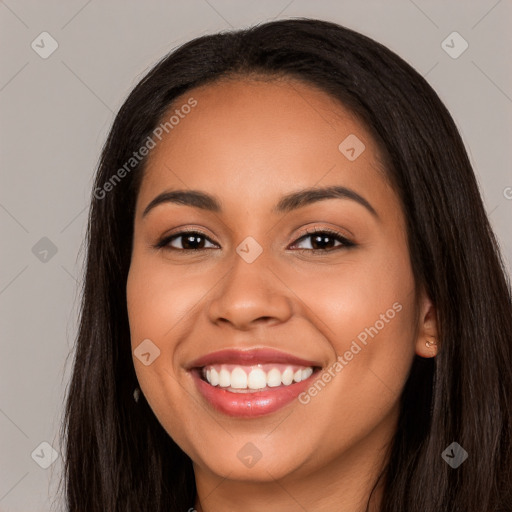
x: 346, y: 243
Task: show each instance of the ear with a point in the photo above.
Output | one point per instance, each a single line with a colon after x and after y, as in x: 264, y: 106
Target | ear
x: 427, y: 339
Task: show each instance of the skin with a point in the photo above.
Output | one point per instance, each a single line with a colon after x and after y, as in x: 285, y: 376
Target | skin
x: 249, y: 142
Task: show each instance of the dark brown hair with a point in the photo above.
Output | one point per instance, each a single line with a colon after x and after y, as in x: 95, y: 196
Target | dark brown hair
x: 119, y: 458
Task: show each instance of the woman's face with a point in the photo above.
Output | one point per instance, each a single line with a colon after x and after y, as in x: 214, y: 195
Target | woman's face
x: 256, y: 303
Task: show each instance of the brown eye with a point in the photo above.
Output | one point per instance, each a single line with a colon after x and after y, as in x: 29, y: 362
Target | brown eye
x: 188, y: 240
x: 324, y: 241
x: 321, y: 241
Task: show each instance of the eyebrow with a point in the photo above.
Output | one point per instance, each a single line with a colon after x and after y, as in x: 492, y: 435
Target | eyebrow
x: 287, y: 203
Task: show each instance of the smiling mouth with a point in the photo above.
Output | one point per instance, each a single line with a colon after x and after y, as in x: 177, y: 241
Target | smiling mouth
x: 250, y: 383
x: 254, y: 378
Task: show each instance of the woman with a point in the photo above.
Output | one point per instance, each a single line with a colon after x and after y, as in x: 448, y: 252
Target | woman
x: 293, y: 298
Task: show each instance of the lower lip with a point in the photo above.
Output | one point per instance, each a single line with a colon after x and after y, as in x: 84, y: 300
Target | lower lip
x: 251, y: 404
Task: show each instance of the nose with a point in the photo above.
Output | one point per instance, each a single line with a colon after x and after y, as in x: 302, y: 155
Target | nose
x: 251, y: 294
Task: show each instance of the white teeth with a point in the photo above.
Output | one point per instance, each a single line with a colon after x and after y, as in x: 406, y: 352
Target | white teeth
x: 214, y: 377
x: 238, y: 378
x: 273, y: 378
x: 287, y: 377
x: 306, y: 373
x: 224, y: 378
x: 257, y: 379
x: 254, y: 377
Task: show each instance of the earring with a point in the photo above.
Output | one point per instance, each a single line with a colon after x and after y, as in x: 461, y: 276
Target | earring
x: 430, y: 343
x: 136, y: 394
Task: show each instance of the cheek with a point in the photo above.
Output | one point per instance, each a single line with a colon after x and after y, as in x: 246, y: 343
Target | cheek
x: 163, y: 301
x: 365, y: 309
x: 353, y: 295
x: 367, y: 315
x: 160, y: 302
x: 159, y: 296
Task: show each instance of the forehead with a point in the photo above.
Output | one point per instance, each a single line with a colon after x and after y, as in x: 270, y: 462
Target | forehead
x: 250, y: 141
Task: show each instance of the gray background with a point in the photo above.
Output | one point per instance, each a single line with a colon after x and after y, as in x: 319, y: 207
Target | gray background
x: 55, y: 115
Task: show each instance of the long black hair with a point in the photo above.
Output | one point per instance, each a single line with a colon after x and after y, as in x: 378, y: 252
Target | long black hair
x: 117, y: 455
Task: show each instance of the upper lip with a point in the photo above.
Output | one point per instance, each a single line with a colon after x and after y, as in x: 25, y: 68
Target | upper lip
x: 249, y: 357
